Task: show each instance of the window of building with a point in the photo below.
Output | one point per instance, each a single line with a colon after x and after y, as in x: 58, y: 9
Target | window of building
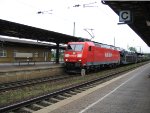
x: 3, y: 53
x: 15, y: 51
x: 36, y: 54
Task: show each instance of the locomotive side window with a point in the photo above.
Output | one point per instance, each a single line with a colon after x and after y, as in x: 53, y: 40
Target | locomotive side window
x: 75, y: 47
x: 90, y: 48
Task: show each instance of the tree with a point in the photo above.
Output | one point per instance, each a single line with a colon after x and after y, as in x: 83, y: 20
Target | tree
x: 132, y: 49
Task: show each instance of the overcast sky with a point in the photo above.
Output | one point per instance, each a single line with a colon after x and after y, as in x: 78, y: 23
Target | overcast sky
x: 60, y: 15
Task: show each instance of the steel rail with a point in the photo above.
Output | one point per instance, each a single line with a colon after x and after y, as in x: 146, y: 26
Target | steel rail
x: 15, y: 85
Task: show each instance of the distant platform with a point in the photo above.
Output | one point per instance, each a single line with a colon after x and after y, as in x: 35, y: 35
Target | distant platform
x: 25, y: 66
x: 10, y: 72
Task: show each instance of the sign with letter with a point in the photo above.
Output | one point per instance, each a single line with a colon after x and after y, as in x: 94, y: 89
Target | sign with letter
x: 125, y: 16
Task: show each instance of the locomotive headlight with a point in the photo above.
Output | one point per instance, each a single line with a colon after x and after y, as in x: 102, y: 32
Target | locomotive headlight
x: 66, y: 55
x: 79, y: 55
x: 80, y: 60
x: 66, y: 59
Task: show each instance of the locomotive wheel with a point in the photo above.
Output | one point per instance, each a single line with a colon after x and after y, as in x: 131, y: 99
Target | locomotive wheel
x: 83, y: 72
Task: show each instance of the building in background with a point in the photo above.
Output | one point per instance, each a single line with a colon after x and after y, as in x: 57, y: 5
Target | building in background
x: 14, y: 50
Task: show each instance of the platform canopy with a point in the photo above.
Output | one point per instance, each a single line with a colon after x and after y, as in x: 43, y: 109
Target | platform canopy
x: 24, y: 43
x: 141, y: 16
x: 8, y: 28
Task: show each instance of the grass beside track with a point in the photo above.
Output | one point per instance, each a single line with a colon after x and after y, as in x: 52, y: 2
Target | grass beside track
x: 12, y: 96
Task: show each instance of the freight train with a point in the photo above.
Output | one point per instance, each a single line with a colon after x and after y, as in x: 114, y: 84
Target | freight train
x: 89, y: 55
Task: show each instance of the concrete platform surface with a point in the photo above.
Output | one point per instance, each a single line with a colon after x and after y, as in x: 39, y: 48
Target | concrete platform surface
x: 129, y: 93
x: 5, y: 67
x: 10, y: 72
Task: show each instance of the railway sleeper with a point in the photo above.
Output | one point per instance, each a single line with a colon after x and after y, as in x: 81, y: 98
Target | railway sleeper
x: 67, y: 94
x: 27, y: 109
x: 46, y: 102
x: 83, y: 89
x: 91, y: 85
x: 33, y: 107
x: 39, y: 106
x: 61, y: 96
x: 87, y: 87
x: 43, y: 104
x: 2, y: 86
x: 78, y: 90
x: 55, y: 99
x: 72, y: 92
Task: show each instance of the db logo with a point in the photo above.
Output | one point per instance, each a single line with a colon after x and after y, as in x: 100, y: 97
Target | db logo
x: 125, y: 16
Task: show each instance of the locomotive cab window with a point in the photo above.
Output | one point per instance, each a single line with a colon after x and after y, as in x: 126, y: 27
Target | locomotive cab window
x: 75, y: 47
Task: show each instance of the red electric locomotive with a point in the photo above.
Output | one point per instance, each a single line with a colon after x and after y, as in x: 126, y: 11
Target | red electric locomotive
x: 84, y: 56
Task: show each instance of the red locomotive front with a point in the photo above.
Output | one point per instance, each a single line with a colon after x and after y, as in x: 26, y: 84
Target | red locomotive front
x: 75, y: 56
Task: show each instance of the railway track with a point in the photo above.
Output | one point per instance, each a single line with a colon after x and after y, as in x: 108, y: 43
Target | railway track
x: 25, y: 83
x: 40, y: 102
x: 20, y: 84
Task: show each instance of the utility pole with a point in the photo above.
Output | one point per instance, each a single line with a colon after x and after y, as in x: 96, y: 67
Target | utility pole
x: 74, y: 25
x: 114, y: 41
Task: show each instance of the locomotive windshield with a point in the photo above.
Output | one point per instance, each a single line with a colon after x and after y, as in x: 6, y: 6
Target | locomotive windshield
x: 75, y: 47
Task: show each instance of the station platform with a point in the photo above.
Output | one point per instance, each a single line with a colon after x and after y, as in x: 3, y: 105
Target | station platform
x: 11, y: 72
x: 15, y: 66
x: 128, y: 93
